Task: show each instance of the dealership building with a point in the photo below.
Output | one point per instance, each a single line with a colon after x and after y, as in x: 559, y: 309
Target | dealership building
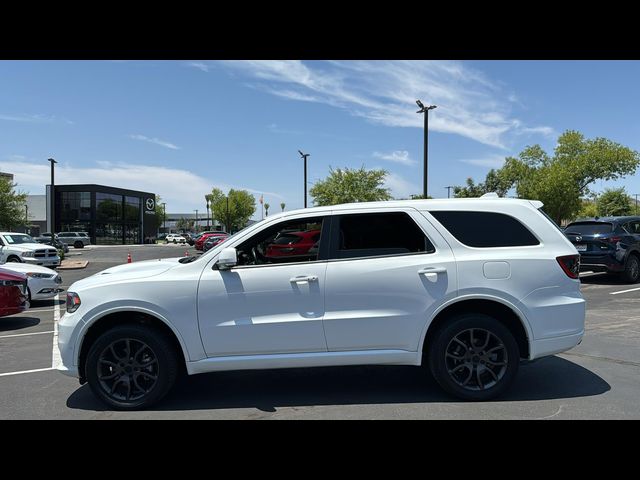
x: 111, y: 216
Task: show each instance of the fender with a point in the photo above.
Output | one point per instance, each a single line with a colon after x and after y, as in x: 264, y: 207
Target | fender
x: 486, y: 296
x: 129, y: 308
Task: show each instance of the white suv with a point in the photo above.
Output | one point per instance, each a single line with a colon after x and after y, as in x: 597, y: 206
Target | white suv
x: 466, y: 287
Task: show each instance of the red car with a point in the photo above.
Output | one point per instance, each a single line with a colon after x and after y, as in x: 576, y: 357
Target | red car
x: 203, y: 238
x: 293, y: 243
x: 13, y: 292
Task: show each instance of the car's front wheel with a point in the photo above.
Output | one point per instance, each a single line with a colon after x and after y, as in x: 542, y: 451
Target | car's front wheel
x: 631, y: 272
x: 474, y: 357
x: 131, y: 367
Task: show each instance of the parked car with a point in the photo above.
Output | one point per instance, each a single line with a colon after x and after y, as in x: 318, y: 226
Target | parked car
x: 175, y: 238
x: 608, y: 244
x: 464, y: 287
x: 54, y: 242
x: 74, y: 238
x: 162, y: 236
x: 293, y: 244
x: 42, y: 283
x: 199, y: 243
x: 22, y: 248
x: 213, y: 241
x: 13, y: 292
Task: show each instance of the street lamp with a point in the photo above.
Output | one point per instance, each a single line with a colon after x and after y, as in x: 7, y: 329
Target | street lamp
x: 53, y: 197
x: 448, y: 191
x: 26, y: 218
x: 206, y: 197
x: 164, y: 216
x: 304, y: 156
x: 196, y: 210
x: 425, y: 110
x: 636, y: 195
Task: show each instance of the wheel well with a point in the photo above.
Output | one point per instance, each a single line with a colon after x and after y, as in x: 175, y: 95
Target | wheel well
x: 499, y: 311
x: 122, y: 318
x: 14, y: 256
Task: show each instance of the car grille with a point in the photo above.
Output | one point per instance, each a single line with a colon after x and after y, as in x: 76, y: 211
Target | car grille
x: 49, y: 252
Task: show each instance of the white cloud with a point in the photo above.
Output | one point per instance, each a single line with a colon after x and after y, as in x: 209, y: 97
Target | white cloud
x: 34, y: 118
x: 156, y: 141
x: 490, y: 161
x: 400, y: 187
x: 397, y: 156
x: 384, y: 92
x: 181, y: 189
x: 199, y: 65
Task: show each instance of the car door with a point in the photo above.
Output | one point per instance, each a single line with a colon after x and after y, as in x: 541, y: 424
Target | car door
x: 388, y: 271
x: 265, y: 305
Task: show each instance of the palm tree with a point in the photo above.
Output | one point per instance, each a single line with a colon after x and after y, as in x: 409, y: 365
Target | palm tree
x: 282, y: 205
x: 266, y: 209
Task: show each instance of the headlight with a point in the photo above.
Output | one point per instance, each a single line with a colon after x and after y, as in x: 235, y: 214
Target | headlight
x: 73, y: 302
x: 27, y: 254
x: 39, y: 275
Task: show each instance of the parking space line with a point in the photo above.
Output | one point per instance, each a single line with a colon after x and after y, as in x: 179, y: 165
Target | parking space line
x: 56, y: 360
x: 25, y: 371
x: 625, y: 291
x: 25, y: 334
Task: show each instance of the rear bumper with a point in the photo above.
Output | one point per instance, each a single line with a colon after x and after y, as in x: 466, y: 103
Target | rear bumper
x: 551, y: 346
x: 600, y: 263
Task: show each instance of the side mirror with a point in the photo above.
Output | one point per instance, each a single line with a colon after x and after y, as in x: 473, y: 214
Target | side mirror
x: 228, y: 258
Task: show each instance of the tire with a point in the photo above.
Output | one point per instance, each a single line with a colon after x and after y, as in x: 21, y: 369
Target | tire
x: 162, y: 364
x: 13, y: 260
x: 631, y: 272
x: 78, y: 245
x: 489, y: 374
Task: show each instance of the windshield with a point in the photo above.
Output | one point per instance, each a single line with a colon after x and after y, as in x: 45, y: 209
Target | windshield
x: 230, y: 238
x: 589, y: 228
x: 17, y: 238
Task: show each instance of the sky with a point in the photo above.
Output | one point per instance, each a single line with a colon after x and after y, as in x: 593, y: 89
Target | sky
x: 180, y: 128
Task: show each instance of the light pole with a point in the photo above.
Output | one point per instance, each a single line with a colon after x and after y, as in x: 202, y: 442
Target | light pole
x: 425, y: 110
x: 26, y: 218
x: 448, y: 191
x: 228, y: 228
x: 304, y: 156
x: 636, y: 195
x: 196, y: 224
x: 206, y: 197
x: 53, y: 197
x: 164, y: 216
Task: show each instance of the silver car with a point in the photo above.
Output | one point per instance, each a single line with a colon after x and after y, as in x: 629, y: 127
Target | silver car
x: 77, y: 239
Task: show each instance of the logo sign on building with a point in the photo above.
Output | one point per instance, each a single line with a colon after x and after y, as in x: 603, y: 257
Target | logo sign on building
x: 150, y: 205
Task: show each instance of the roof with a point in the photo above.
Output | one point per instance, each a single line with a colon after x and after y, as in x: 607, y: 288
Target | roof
x: 623, y: 218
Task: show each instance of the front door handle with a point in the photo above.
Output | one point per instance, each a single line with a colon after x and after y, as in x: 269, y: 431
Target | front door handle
x: 304, y: 279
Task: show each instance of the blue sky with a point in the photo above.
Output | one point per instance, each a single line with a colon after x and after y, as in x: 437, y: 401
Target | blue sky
x: 179, y: 128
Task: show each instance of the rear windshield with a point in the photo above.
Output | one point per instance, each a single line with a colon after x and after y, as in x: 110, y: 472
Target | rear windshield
x: 589, y: 228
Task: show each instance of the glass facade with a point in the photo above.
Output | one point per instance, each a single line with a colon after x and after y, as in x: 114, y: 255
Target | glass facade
x: 110, y: 215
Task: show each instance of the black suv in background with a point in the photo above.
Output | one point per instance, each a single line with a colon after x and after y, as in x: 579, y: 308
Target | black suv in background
x: 608, y: 244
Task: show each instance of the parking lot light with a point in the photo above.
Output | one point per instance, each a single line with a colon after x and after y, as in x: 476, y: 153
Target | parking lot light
x: 425, y: 110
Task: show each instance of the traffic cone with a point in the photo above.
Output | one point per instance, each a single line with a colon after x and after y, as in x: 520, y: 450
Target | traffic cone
x: 186, y: 253
x: 129, y: 257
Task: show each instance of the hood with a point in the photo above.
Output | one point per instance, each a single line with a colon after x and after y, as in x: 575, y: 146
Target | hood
x: 128, y: 271
x: 26, y: 267
x: 11, y: 275
x: 28, y: 247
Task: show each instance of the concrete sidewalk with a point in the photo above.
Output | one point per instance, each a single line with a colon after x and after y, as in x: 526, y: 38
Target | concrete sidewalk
x: 72, y: 264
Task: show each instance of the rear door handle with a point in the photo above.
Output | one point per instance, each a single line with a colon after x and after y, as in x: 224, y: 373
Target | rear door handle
x: 428, y: 270
x: 304, y: 279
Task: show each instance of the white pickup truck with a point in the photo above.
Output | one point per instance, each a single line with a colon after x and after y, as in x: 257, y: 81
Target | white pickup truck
x: 19, y: 247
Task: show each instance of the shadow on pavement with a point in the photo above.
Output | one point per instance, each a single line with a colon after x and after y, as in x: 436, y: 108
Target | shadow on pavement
x: 266, y: 390
x: 8, y: 324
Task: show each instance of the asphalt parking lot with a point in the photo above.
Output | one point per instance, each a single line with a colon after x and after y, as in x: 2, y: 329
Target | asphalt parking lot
x: 596, y: 380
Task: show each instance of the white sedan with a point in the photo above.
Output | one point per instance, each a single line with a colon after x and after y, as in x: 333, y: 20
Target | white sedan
x: 43, y: 283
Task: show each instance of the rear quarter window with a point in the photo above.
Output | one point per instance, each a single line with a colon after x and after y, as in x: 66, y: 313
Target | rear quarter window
x: 486, y: 229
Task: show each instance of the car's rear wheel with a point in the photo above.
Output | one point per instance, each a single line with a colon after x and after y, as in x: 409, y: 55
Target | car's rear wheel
x: 13, y: 260
x: 631, y: 272
x: 131, y: 367
x: 78, y: 244
x: 474, y: 357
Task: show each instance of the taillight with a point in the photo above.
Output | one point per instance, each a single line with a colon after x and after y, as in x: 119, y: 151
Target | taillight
x: 570, y: 264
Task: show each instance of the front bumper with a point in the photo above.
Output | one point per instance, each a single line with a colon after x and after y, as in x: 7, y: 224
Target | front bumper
x: 44, y: 262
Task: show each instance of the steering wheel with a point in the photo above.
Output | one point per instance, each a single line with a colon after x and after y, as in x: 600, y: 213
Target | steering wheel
x: 257, y: 256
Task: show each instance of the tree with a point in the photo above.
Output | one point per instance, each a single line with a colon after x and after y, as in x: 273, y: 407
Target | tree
x: 235, y: 213
x: 12, y: 211
x: 282, y: 205
x: 562, y: 180
x: 266, y: 209
x: 347, y: 186
x: 589, y: 209
x: 160, y: 213
x: 614, y: 202
x: 184, y: 224
x: 495, y: 181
